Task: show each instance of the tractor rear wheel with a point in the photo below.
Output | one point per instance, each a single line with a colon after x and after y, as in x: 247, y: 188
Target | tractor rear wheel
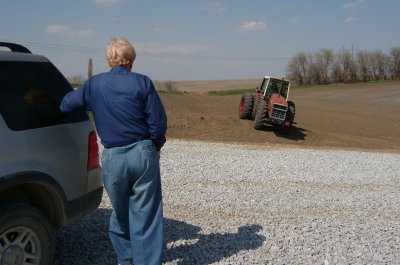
x: 261, y: 116
x: 246, y: 106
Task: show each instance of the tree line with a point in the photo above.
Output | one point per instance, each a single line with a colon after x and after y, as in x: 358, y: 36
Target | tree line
x: 345, y: 66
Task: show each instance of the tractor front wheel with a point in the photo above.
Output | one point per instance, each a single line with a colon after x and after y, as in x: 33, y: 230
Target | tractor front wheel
x: 246, y: 106
x: 291, y: 112
x: 261, y: 116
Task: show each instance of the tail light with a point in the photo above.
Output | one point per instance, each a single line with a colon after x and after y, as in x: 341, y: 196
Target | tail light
x: 93, y: 154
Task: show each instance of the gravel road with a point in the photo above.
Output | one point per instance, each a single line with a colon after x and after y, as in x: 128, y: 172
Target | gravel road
x: 238, y: 204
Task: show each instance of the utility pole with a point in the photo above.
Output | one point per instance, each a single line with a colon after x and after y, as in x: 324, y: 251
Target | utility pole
x: 90, y: 68
x: 353, y: 74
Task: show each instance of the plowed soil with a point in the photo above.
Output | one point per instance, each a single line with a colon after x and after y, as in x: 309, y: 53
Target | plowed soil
x: 362, y: 116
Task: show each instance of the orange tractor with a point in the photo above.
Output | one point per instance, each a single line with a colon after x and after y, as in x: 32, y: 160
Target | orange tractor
x: 269, y: 105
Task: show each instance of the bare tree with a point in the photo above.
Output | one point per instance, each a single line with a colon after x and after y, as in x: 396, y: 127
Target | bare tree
x: 341, y: 67
x: 170, y: 86
x: 386, y: 66
x: 76, y: 79
x: 298, y: 68
x: 374, y: 66
x: 335, y: 72
x: 379, y: 64
x: 314, y: 71
x: 353, y: 72
x: 395, y: 63
x: 323, y: 64
x: 363, y: 63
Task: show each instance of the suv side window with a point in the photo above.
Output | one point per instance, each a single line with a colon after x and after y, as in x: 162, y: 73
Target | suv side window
x: 30, y: 95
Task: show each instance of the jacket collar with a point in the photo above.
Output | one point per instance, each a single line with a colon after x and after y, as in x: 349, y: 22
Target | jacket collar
x: 119, y: 69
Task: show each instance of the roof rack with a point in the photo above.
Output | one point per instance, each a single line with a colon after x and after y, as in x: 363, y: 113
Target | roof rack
x: 15, y: 47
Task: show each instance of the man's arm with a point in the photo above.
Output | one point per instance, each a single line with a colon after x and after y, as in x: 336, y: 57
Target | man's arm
x: 156, y: 118
x: 75, y: 100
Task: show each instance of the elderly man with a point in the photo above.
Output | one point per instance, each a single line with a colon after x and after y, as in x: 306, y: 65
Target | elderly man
x: 131, y: 123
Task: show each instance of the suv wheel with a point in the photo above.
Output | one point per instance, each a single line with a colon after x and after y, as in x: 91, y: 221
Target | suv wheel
x: 25, y: 235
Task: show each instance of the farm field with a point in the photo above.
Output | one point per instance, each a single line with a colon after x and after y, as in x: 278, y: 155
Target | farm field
x: 362, y: 116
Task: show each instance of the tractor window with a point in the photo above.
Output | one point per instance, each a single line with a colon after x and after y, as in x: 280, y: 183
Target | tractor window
x: 264, y: 85
x: 284, y: 90
x: 272, y: 88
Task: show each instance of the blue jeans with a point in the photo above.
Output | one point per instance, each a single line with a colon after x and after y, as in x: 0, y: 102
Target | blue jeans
x: 131, y: 176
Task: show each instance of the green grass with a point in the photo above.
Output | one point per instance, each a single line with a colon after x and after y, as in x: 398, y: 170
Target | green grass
x: 230, y: 92
x: 173, y: 92
x: 75, y: 84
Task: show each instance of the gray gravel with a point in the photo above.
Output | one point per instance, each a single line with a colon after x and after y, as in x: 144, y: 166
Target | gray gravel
x: 236, y: 204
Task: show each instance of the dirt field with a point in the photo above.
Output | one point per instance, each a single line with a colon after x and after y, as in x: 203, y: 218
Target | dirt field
x: 364, y: 116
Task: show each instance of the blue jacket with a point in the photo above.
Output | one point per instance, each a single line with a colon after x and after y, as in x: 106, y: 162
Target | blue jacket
x: 125, y: 105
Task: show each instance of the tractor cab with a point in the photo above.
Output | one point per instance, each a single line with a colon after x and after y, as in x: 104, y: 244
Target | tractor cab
x: 271, y: 85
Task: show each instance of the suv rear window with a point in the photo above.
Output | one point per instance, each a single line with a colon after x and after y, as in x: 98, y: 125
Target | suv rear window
x: 30, y: 95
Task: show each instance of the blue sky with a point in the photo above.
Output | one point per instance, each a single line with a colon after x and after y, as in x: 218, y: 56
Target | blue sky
x: 198, y: 40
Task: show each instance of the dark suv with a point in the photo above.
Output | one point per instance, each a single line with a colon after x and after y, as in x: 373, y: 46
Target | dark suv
x: 49, y: 162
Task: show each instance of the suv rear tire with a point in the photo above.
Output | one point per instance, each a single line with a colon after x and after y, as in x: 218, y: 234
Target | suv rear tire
x: 25, y: 235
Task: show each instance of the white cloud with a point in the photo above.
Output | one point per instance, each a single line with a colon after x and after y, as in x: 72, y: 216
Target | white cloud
x: 251, y: 26
x: 65, y: 31
x: 106, y: 2
x: 350, y: 20
x: 159, y: 49
x: 214, y: 7
x: 295, y: 19
x: 353, y: 5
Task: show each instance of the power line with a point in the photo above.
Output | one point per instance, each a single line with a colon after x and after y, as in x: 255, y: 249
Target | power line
x: 58, y: 47
x: 146, y: 53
